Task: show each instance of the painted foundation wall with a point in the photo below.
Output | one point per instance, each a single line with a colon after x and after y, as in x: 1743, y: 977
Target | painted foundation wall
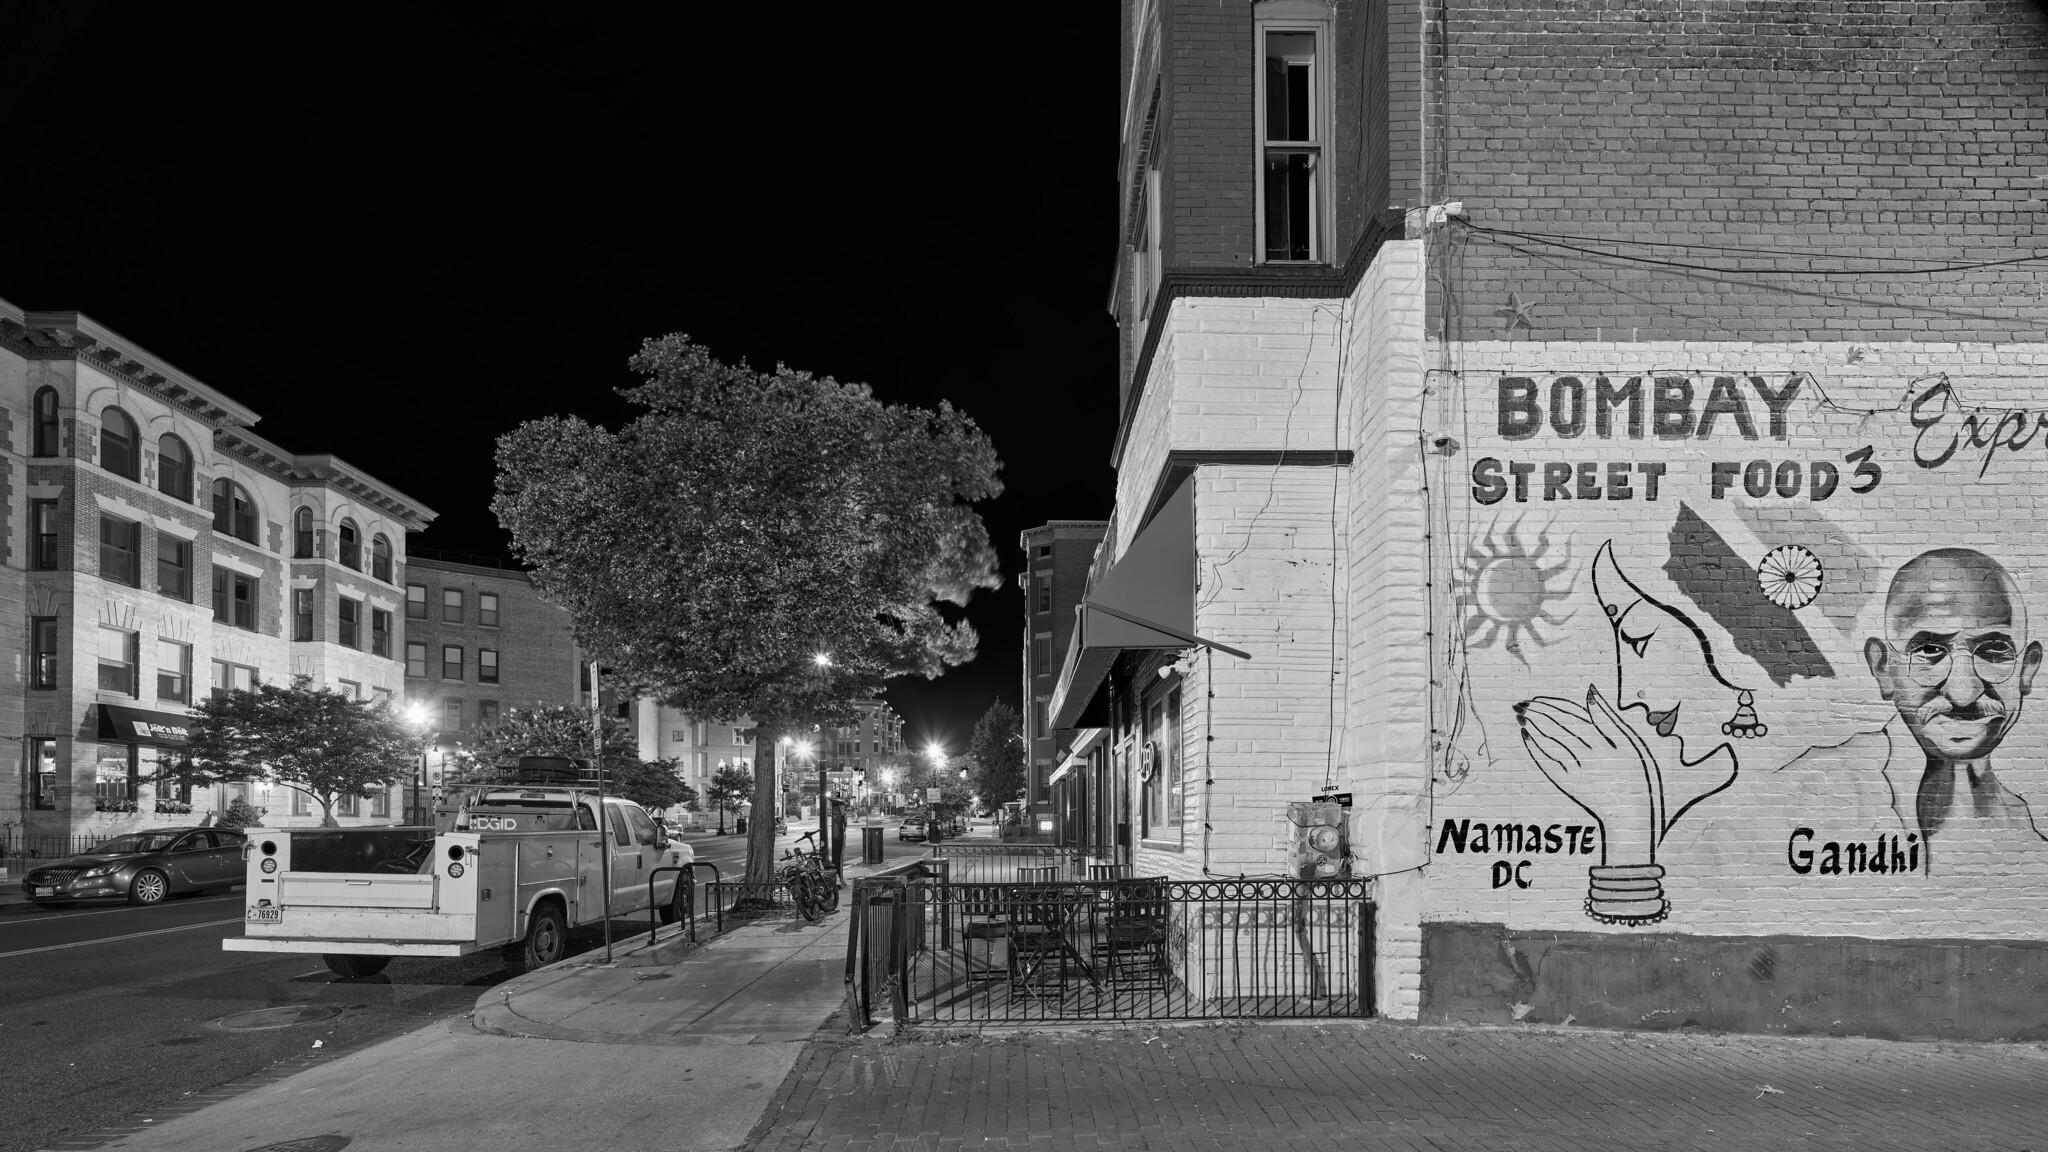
x: 1945, y: 989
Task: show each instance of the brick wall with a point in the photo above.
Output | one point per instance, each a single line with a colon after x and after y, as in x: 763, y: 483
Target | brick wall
x: 1771, y: 145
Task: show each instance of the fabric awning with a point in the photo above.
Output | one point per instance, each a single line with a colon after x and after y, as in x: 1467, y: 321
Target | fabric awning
x: 141, y: 726
x: 1077, y: 755
x: 1146, y: 600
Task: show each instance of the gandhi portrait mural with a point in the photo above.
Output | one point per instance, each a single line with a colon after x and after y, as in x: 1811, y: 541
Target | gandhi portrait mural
x: 1957, y: 662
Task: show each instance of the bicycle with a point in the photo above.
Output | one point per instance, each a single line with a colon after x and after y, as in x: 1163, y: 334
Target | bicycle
x: 812, y: 881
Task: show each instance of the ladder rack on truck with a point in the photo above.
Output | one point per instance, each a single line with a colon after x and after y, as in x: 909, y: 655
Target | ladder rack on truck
x: 511, y: 866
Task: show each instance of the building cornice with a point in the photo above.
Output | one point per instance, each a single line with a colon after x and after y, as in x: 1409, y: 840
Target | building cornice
x: 72, y: 336
x: 324, y: 470
x: 1321, y: 282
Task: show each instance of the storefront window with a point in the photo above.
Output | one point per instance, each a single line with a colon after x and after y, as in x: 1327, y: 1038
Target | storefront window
x: 42, y: 766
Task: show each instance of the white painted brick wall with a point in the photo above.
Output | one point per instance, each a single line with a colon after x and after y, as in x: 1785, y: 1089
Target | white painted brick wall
x: 1729, y: 867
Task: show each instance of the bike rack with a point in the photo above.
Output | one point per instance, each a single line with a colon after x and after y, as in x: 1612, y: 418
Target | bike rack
x: 690, y: 899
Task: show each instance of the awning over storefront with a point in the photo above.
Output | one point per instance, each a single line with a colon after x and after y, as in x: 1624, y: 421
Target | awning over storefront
x: 141, y: 726
x: 1077, y: 755
x: 1146, y: 600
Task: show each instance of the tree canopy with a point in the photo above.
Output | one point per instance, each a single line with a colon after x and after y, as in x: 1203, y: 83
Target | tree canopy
x: 564, y: 730
x: 317, y: 740
x: 996, y: 753
x: 766, y: 544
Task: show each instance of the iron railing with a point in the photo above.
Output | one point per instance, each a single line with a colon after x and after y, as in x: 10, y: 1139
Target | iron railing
x: 52, y: 847
x: 985, y: 863
x: 1144, y: 949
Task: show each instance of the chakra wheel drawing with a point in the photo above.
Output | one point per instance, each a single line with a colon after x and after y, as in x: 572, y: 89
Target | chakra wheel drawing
x: 1790, y: 576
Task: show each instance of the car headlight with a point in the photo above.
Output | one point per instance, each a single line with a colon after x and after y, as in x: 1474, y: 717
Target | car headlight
x: 95, y: 873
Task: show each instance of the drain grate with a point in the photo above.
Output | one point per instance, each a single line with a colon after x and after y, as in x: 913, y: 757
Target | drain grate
x: 263, y: 1019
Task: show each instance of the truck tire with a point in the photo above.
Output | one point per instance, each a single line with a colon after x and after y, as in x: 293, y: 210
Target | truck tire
x: 350, y: 967
x: 547, y: 940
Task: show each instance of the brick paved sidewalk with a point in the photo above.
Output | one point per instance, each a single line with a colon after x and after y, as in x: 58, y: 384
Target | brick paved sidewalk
x: 1370, y: 1085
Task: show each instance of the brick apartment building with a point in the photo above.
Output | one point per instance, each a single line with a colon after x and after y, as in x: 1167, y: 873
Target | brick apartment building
x: 1057, y: 556
x: 157, y: 548
x: 1605, y: 430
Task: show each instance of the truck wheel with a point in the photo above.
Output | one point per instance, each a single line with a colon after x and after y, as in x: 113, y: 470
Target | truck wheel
x: 547, y: 939
x: 350, y: 967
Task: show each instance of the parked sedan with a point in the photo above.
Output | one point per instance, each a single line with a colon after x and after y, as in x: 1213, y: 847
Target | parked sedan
x: 144, y: 867
x: 911, y: 829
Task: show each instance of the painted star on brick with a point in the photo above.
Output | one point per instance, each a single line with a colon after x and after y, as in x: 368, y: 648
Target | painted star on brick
x: 1515, y: 315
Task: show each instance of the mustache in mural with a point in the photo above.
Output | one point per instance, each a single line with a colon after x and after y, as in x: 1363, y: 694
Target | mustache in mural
x: 1982, y: 708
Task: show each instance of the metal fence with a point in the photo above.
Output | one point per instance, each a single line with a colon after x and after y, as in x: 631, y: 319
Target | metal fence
x: 935, y: 953
x: 23, y: 847
x: 985, y: 863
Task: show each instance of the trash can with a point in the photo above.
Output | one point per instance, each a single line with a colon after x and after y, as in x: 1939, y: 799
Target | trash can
x: 870, y: 845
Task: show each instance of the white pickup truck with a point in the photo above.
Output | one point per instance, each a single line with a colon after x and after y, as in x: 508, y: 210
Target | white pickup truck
x: 516, y: 867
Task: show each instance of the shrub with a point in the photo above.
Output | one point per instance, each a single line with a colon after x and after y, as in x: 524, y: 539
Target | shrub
x: 239, y: 814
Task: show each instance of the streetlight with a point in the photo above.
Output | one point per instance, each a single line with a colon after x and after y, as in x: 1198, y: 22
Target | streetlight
x: 418, y: 715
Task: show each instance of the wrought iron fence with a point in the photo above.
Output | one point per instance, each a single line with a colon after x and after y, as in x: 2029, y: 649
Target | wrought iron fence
x: 986, y: 863
x: 43, y: 847
x: 1136, y: 949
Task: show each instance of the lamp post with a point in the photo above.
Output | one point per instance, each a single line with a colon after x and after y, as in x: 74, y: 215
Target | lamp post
x: 418, y: 715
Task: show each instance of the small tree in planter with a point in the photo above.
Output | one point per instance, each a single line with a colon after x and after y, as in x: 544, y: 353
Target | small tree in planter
x: 729, y: 789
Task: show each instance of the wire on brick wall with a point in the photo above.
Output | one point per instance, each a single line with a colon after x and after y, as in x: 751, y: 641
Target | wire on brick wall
x: 1723, y: 276
x: 1769, y: 257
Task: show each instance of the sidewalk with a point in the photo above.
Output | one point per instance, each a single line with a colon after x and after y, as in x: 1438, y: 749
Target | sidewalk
x: 736, y: 1043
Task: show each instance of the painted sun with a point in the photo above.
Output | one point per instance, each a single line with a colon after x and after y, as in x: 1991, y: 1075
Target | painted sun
x: 1509, y: 584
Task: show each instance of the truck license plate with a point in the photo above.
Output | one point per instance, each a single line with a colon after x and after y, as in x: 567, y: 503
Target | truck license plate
x: 266, y: 916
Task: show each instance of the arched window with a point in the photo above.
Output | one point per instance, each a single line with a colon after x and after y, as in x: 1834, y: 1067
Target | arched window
x: 48, y: 429
x: 174, y: 468
x: 380, y: 557
x: 119, y: 452
x: 351, y: 546
x: 302, y: 534
x: 234, y: 513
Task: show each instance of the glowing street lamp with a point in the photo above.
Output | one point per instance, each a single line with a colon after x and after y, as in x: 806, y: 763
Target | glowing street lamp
x: 418, y: 715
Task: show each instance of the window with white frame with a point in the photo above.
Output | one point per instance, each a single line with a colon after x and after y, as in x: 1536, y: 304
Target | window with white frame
x: 1293, y: 116
x: 117, y: 661
x: 173, y: 671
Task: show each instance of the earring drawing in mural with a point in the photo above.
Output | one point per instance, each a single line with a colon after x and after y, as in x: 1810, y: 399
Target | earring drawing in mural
x: 1510, y: 587
x: 1597, y: 758
x: 1954, y: 658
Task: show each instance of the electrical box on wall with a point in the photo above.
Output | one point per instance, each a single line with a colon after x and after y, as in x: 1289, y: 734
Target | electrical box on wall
x: 1321, y: 846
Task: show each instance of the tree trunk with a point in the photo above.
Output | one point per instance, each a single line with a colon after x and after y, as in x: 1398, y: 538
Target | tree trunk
x: 761, y: 824
x: 327, y: 819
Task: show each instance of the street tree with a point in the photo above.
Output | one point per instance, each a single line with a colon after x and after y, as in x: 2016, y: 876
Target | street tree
x: 772, y: 544
x: 730, y: 787
x: 316, y: 740
x: 492, y: 752
x: 996, y: 755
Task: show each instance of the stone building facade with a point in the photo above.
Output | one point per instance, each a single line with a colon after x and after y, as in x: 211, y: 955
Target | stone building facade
x: 158, y: 549
x: 1588, y: 423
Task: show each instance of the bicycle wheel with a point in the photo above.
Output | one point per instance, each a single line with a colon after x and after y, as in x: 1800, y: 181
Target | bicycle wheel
x: 803, y: 894
x: 828, y: 889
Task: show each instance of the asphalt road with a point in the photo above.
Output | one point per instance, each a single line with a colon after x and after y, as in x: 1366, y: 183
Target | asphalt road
x: 109, y: 1011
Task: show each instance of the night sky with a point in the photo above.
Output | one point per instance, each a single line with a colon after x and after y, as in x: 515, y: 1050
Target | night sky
x: 398, y: 232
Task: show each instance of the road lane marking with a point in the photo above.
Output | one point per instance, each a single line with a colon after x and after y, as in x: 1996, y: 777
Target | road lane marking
x: 68, y: 914
x: 112, y: 939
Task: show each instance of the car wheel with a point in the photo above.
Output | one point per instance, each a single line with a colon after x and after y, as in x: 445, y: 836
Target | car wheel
x: 547, y: 939
x: 149, y: 887
x: 350, y: 967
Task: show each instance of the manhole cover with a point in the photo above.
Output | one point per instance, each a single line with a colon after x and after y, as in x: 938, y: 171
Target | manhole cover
x: 654, y: 976
x: 307, y: 1144
x: 261, y: 1019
